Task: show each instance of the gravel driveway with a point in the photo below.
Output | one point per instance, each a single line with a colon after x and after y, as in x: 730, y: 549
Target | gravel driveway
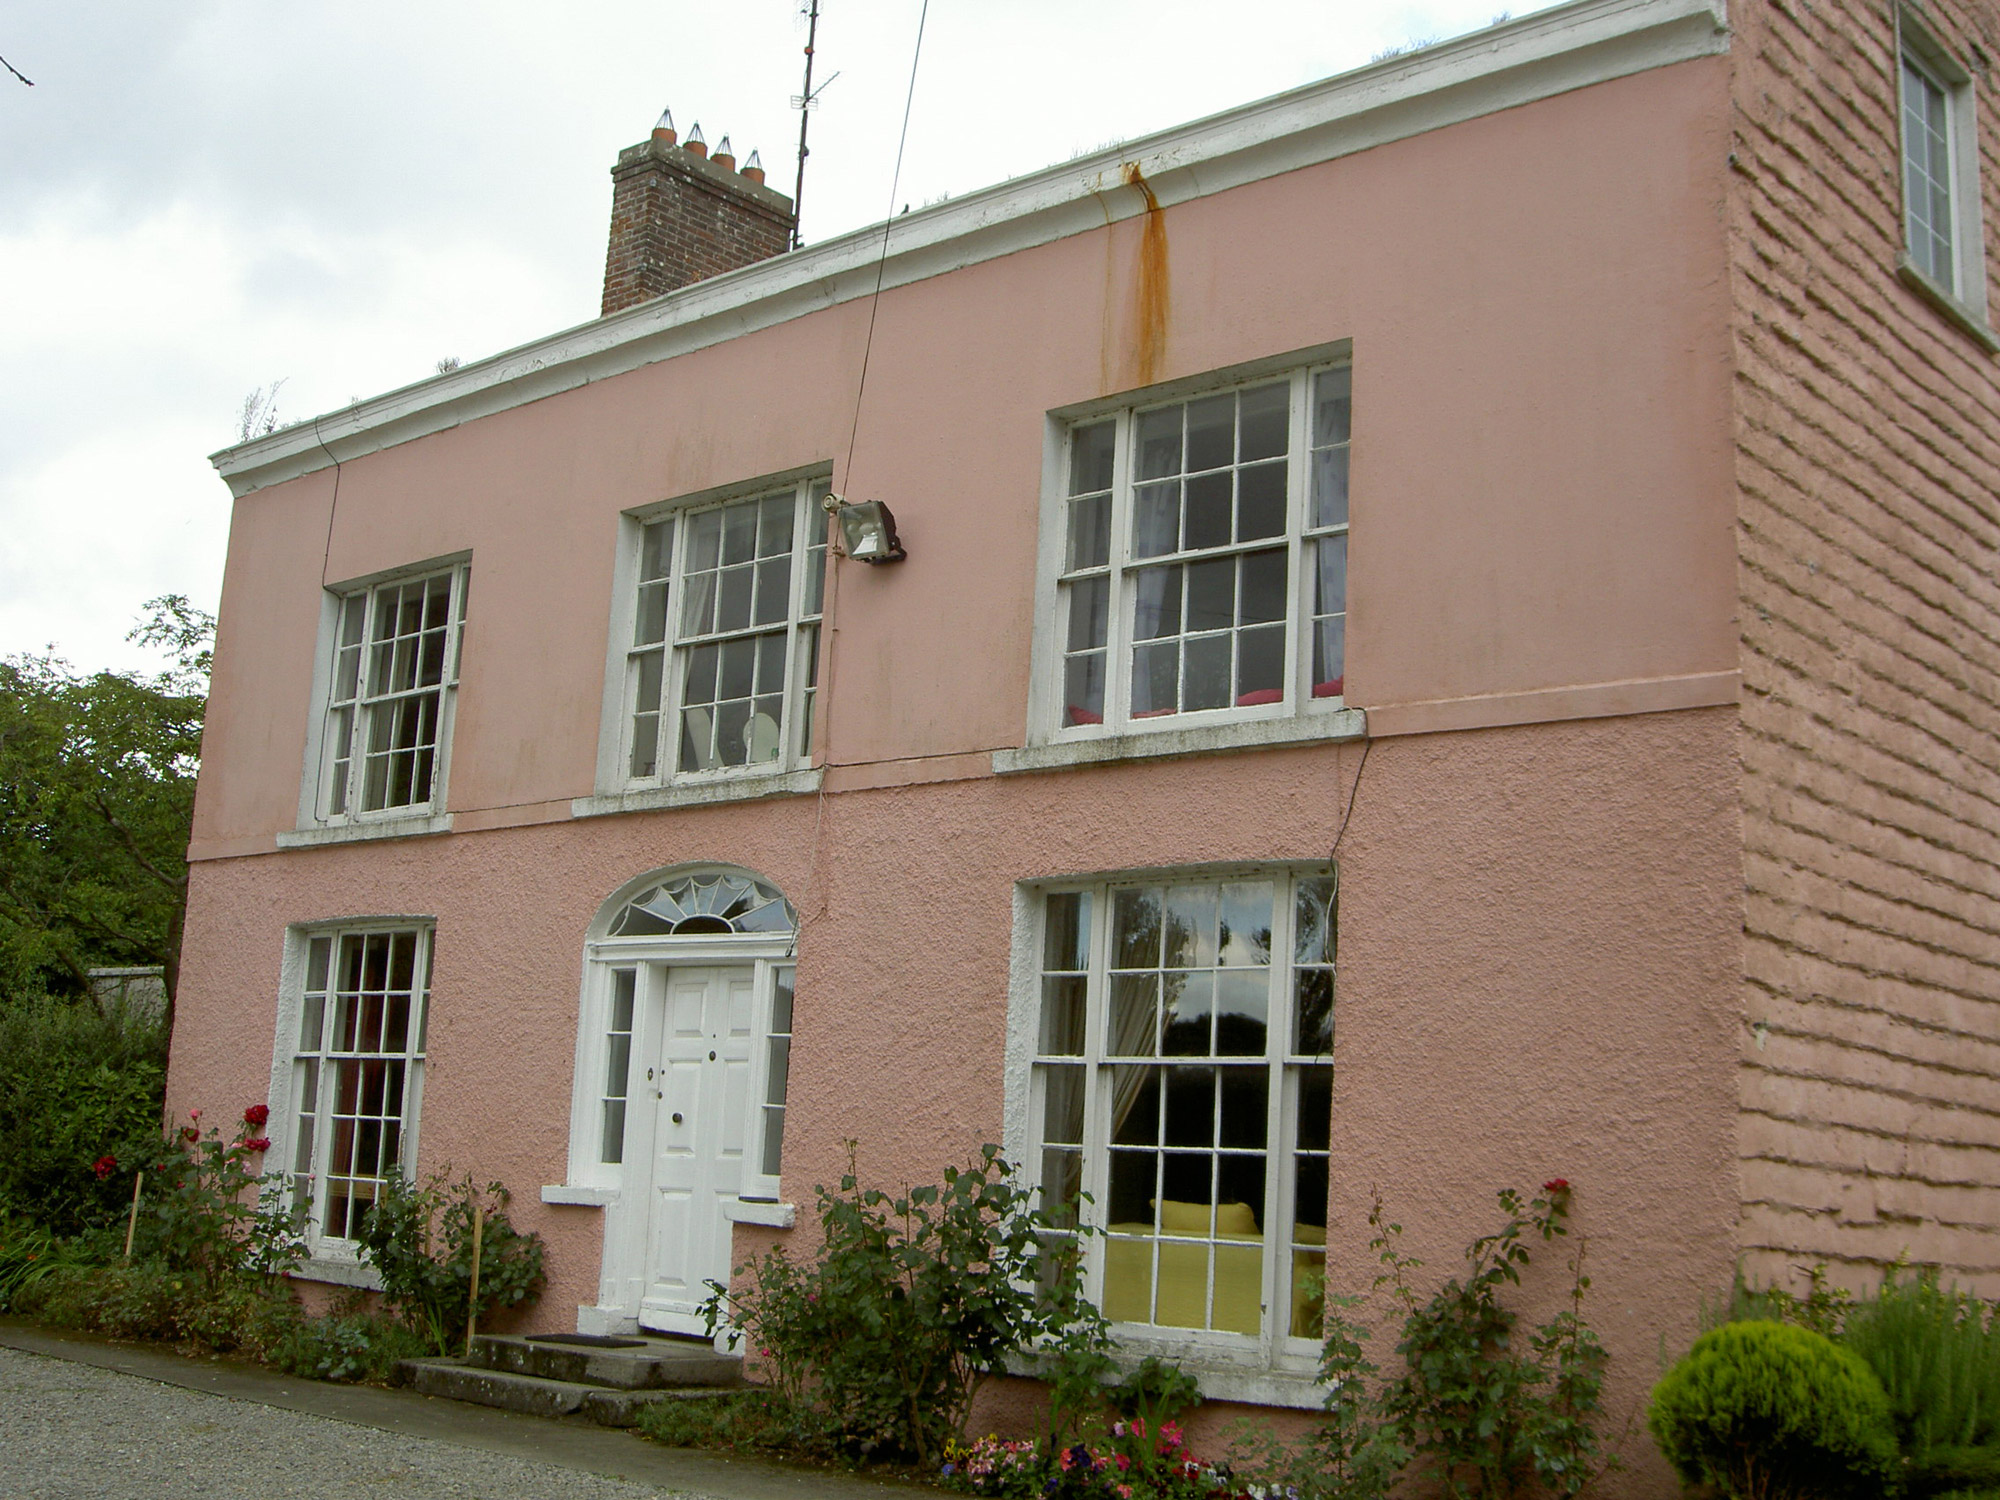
x: 74, y: 1432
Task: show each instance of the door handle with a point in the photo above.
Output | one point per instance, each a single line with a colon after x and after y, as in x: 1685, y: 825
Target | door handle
x: 677, y: 1117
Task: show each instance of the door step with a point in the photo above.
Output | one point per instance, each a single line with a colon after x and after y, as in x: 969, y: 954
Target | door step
x: 605, y: 1381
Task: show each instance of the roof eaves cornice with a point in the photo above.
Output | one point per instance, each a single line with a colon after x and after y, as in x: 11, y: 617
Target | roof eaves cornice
x: 1514, y: 63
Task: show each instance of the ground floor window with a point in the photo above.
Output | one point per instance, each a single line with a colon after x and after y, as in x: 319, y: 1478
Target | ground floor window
x: 1183, y: 1081
x: 357, y: 1071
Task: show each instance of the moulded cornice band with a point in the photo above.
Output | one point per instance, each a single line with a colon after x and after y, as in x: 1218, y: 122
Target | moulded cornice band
x: 1548, y: 53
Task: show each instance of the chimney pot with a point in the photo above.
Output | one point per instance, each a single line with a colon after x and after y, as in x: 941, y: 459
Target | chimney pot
x: 725, y: 155
x: 663, y: 128
x: 754, y: 168
x: 696, y: 144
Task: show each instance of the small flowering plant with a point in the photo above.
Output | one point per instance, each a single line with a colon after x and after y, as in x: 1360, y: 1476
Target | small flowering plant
x: 207, y: 1210
x: 1129, y: 1460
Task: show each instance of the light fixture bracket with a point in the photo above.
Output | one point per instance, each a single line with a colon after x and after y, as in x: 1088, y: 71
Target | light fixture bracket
x: 867, y: 529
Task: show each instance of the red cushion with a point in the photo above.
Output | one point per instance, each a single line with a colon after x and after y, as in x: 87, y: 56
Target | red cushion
x: 1329, y: 689
x: 1079, y: 715
x: 1261, y: 695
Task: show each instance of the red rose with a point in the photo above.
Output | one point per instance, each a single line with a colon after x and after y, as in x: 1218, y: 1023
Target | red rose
x: 190, y: 1134
x: 104, y: 1166
x: 261, y: 1143
x: 1556, y: 1185
x: 256, y: 1114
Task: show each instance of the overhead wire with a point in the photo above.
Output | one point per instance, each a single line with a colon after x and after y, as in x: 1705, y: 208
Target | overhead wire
x: 829, y: 614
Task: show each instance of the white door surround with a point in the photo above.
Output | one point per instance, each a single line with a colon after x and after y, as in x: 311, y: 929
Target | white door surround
x: 679, y: 1082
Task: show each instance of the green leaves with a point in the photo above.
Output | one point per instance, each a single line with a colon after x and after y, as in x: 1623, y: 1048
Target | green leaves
x: 96, y: 796
x: 1468, y: 1408
x: 913, y: 1300
x: 420, y: 1238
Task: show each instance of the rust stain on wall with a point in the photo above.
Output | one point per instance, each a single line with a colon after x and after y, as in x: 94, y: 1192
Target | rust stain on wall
x: 1150, y: 290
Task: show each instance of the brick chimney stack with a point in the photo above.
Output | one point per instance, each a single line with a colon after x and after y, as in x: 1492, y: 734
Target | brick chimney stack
x: 679, y: 216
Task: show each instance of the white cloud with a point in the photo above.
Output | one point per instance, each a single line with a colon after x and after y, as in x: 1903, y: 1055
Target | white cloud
x: 208, y: 195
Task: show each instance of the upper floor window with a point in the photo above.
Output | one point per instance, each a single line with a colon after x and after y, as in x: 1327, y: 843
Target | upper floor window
x: 1204, y: 566
x: 394, y: 671
x: 1942, y: 230
x: 723, y: 656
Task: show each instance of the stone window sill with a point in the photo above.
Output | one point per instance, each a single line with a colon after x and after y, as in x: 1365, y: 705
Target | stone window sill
x: 760, y: 1211
x: 338, y: 1273
x: 357, y: 833
x: 1212, y: 739
x: 1967, y: 318
x: 1220, y: 1379
x: 743, y: 788
x: 565, y: 1195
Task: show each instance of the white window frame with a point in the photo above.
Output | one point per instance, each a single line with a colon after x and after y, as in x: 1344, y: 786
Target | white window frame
x: 1298, y: 715
x: 1272, y: 1366
x: 302, y: 1073
x: 335, y: 781
x: 618, y: 787
x: 1961, y: 290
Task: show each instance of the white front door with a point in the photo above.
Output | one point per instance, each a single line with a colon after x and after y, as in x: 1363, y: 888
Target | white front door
x: 700, y: 1079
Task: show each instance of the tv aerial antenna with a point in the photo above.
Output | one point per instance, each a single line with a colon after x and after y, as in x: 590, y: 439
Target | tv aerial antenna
x: 805, y: 102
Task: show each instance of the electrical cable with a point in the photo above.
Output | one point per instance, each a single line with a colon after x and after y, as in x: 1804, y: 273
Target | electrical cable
x: 1352, y: 792
x: 882, y: 260
x: 833, y: 593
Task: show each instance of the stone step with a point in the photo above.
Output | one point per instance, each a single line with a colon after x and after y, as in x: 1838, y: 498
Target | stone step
x: 538, y: 1396
x: 629, y: 1364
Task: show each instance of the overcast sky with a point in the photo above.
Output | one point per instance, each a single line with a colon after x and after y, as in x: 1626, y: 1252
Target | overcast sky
x: 200, y: 197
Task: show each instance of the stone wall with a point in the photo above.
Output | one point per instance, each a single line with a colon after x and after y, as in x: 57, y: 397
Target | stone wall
x: 1868, y: 463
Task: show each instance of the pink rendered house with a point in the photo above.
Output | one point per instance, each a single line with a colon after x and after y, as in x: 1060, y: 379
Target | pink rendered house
x: 1512, y: 527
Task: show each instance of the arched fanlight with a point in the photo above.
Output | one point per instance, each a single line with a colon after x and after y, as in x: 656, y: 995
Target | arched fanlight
x: 698, y: 905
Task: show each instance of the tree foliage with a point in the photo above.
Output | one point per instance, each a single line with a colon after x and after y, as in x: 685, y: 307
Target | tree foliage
x: 96, y: 796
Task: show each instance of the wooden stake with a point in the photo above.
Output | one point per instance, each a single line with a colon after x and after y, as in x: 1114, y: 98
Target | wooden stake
x: 472, y: 1311
x: 132, y: 1223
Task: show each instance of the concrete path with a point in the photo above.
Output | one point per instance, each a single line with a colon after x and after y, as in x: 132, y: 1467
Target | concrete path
x: 88, y: 1419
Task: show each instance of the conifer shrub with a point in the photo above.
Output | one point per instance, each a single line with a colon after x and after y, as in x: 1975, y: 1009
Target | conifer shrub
x: 1771, y: 1411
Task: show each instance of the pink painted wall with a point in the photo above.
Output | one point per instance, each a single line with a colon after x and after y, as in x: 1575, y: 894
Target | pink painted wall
x: 1540, y: 925
x: 1529, y: 986
x: 1541, y: 473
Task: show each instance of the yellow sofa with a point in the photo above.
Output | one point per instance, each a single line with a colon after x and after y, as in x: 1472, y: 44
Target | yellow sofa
x: 1180, y: 1297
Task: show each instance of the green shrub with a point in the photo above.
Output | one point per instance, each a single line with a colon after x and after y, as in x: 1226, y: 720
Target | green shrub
x: 143, y: 1301
x: 79, y: 1111
x: 739, y: 1422
x: 420, y: 1238
x: 348, y: 1345
x: 206, y: 1213
x: 1472, y: 1406
x: 1937, y: 1353
x: 913, y: 1301
x: 1768, y: 1410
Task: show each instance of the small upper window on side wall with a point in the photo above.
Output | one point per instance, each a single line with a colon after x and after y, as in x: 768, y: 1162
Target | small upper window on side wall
x: 1203, y: 576
x: 1943, y: 244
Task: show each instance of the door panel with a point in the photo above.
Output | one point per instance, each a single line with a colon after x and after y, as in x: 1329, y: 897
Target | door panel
x: 701, y: 1127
